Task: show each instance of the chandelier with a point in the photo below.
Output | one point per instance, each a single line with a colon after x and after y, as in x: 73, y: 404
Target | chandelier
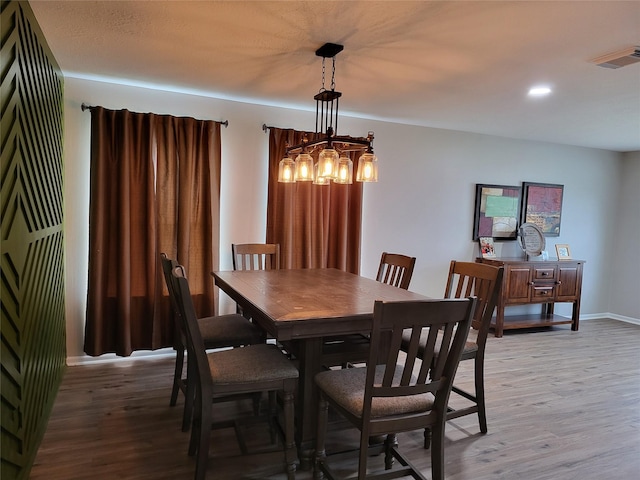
x: 334, y: 163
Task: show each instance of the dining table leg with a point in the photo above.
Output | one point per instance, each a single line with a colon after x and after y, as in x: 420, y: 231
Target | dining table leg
x: 309, y: 354
x: 310, y: 358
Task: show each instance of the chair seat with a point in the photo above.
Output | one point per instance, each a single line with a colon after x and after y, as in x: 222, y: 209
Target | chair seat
x: 253, y: 364
x: 346, y: 387
x: 231, y: 330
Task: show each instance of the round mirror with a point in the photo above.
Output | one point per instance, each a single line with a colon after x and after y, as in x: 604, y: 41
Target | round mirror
x: 531, y: 239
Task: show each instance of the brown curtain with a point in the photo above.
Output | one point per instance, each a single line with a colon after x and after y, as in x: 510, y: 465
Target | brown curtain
x: 316, y: 226
x: 155, y: 188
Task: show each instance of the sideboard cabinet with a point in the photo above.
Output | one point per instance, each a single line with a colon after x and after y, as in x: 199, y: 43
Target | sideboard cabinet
x: 544, y: 282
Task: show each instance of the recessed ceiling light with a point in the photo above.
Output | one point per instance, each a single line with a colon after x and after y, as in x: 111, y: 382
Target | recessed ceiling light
x: 539, y: 91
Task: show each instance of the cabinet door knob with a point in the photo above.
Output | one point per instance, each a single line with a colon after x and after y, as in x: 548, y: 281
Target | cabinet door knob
x: 545, y: 274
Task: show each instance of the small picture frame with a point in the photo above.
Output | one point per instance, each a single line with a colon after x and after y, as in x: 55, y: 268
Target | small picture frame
x: 563, y: 251
x: 487, y: 249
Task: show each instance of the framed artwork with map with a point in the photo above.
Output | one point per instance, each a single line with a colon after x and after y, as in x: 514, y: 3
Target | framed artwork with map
x: 542, y: 206
x: 496, y: 212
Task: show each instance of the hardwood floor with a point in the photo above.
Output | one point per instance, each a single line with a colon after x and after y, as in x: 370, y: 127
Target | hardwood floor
x: 562, y: 405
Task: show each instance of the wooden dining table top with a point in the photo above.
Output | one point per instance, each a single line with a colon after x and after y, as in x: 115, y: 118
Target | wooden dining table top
x: 307, y: 303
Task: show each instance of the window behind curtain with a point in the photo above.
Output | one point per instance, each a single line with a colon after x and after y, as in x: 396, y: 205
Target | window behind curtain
x: 316, y: 226
x: 155, y: 187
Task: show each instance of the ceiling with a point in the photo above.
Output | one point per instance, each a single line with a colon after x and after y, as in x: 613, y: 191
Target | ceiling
x: 461, y: 65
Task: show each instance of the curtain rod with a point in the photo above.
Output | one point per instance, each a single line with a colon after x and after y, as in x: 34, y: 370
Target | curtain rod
x: 266, y: 127
x: 84, y: 107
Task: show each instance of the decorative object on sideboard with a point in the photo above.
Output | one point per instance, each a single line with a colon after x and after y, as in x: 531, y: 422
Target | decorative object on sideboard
x: 333, y: 163
x: 487, y: 248
x: 531, y: 239
x: 563, y: 251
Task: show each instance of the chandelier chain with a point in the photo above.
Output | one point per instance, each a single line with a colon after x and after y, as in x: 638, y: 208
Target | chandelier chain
x: 323, y: 89
x: 333, y: 75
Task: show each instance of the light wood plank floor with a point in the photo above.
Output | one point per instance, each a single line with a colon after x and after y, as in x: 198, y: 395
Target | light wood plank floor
x: 562, y: 405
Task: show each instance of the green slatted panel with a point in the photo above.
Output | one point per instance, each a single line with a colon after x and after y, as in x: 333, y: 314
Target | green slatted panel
x: 31, y: 237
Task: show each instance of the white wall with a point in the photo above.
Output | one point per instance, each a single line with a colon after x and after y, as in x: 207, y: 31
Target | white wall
x: 422, y: 205
x: 624, y: 252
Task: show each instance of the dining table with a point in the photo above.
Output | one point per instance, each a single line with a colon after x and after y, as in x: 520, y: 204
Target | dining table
x: 304, y: 306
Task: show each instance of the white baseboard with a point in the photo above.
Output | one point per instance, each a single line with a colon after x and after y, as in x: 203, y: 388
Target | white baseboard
x: 113, y: 358
x: 613, y: 316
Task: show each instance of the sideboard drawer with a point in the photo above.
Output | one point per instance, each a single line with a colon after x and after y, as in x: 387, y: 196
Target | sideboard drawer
x: 544, y: 273
x: 542, y: 293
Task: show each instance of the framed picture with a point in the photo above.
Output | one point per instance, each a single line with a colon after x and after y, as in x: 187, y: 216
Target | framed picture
x: 563, y: 251
x: 487, y: 248
x: 542, y: 205
x: 496, y: 212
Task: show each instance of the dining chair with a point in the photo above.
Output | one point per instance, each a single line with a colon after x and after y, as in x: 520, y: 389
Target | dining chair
x: 398, y: 393
x: 217, y: 332
x: 228, y: 373
x: 483, y: 281
x: 256, y: 256
x: 395, y: 269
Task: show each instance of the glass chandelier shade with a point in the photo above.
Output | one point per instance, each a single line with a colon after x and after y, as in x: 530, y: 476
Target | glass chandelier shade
x: 304, y: 169
x: 367, y: 168
x: 327, y: 161
x: 343, y: 171
x: 286, y: 170
x: 319, y: 179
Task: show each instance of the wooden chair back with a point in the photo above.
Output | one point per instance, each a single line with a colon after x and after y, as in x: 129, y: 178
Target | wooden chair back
x: 180, y: 340
x: 482, y: 281
x: 396, y: 269
x: 167, y: 266
x: 194, y: 341
x: 450, y: 317
x: 256, y: 256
